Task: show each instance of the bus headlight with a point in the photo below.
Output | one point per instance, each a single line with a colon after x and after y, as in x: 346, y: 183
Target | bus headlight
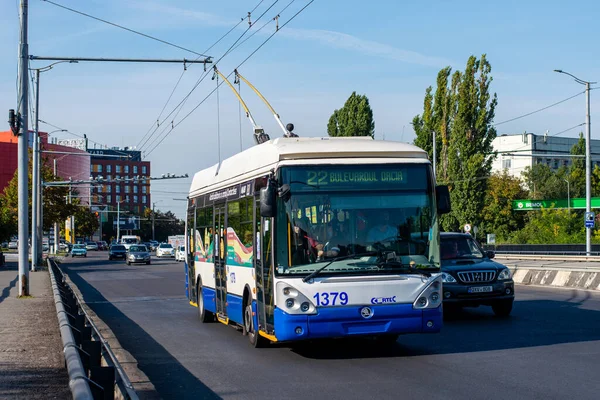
x: 430, y: 296
x: 290, y: 299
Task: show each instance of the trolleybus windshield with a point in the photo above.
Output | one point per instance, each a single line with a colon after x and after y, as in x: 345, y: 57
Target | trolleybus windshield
x: 338, y: 210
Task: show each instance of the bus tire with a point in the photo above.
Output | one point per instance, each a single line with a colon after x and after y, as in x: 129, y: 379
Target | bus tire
x: 204, y: 315
x: 249, y: 329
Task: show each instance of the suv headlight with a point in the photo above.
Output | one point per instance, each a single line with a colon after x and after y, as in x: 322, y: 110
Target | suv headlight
x: 448, y: 278
x: 290, y: 300
x: 504, y: 274
x: 430, y: 297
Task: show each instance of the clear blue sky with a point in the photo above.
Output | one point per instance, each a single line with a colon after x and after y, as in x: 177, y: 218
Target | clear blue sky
x: 388, y: 50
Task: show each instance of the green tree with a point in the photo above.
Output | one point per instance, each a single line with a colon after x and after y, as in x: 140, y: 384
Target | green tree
x: 498, y: 216
x: 544, y: 183
x: 551, y: 226
x: 577, y: 169
x: 355, y: 118
x: 461, y: 115
x: 8, y: 222
x: 55, y: 206
x: 86, y: 221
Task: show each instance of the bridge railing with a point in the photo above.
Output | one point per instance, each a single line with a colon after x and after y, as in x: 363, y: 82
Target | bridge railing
x: 94, y: 371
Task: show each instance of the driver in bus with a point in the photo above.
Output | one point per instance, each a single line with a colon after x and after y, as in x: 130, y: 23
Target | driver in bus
x: 383, y: 231
x: 337, y: 241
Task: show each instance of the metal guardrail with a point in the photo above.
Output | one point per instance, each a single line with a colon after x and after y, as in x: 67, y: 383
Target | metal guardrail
x: 94, y: 371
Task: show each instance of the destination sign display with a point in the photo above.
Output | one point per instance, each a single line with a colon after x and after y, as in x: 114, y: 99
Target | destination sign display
x: 356, y: 176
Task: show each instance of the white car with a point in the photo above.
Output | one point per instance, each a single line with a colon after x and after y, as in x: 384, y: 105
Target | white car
x: 165, y: 250
x: 180, y: 253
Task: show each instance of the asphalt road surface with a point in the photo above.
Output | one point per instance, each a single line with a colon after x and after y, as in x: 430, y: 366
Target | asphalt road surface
x: 548, y: 349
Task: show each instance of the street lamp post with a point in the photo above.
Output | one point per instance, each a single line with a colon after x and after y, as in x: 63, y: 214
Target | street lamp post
x: 36, y: 186
x: 588, y: 160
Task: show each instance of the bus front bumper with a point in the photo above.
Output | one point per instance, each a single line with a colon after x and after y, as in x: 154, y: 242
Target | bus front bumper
x: 337, y: 322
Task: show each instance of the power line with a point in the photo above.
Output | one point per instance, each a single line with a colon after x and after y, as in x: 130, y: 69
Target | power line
x: 541, y: 109
x: 179, y: 106
x: 242, y: 63
x: 125, y: 28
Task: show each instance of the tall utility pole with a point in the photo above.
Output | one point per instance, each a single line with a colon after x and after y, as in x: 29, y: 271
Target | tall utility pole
x: 588, y: 157
x: 118, y: 220
x: 23, y: 157
x: 35, y: 173
x: 56, y: 234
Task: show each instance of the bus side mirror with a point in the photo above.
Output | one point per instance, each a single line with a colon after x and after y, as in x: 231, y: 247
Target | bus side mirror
x: 268, y: 198
x: 442, y: 195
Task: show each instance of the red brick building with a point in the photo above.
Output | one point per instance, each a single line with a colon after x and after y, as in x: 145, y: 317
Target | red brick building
x: 129, y: 174
x: 70, y: 162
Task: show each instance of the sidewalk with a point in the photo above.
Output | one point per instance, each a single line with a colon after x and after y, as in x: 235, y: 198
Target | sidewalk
x: 31, y: 361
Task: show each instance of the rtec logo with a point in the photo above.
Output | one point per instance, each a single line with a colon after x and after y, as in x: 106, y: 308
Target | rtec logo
x: 383, y: 300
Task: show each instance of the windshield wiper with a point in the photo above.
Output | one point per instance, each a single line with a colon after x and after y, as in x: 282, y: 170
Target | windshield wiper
x: 317, y: 271
x: 404, y: 267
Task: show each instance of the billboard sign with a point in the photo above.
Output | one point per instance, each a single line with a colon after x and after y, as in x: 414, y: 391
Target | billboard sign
x: 128, y: 223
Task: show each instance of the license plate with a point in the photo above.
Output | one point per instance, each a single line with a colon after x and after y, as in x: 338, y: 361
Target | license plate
x: 480, y: 289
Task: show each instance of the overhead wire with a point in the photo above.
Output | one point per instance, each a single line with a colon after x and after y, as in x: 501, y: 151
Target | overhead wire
x: 125, y: 28
x: 157, y: 124
x: 179, y: 106
x: 174, y: 125
x: 541, y: 109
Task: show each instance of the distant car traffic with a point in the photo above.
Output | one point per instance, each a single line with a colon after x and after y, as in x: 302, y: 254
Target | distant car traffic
x: 180, y: 253
x: 138, y: 253
x: 13, y: 244
x: 117, y: 251
x: 91, y: 246
x: 471, y: 278
x: 79, y: 250
x: 102, y: 245
x: 165, y: 250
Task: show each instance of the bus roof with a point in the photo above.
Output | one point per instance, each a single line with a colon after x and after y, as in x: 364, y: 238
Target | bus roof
x: 260, y: 159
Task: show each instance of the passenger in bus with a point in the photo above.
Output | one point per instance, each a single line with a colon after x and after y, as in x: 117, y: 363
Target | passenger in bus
x: 383, y: 231
x: 303, y: 247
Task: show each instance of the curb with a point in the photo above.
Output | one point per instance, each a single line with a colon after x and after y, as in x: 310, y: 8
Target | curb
x: 141, y: 383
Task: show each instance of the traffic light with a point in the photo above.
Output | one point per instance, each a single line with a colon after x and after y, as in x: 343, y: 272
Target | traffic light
x: 96, y: 214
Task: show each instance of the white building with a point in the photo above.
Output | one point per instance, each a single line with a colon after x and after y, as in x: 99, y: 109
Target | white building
x: 518, y: 151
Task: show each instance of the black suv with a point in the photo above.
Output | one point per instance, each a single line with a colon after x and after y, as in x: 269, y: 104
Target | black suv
x: 117, y: 251
x: 471, y: 278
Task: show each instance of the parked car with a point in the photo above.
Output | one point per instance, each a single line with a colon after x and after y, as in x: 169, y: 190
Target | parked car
x: 471, y: 278
x: 138, y: 253
x: 165, y: 250
x: 13, y: 245
x: 91, y: 246
x: 180, y: 253
x: 117, y: 251
x: 79, y: 250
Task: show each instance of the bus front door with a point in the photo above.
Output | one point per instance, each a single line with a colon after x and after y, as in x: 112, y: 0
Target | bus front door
x: 220, y: 259
x: 264, y: 277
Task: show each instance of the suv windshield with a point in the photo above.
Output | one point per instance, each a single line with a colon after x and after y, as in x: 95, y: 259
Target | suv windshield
x: 336, y: 211
x: 458, y: 246
x: 137, y: 248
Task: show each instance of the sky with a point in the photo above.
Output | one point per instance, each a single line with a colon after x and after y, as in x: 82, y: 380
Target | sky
x: 388, y: 50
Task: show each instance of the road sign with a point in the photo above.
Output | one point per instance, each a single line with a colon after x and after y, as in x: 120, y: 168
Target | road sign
x: 590, y: 219
x: 467, y: 227
x: 491, y: 238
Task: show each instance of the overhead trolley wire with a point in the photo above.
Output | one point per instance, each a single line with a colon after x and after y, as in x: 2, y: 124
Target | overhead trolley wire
x: 179, y: 106
x: 125, y: 28
x: 541, y: 109
x: 174, y: 125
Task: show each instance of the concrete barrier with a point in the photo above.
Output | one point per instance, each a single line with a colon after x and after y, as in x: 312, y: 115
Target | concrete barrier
x: 554, y: 272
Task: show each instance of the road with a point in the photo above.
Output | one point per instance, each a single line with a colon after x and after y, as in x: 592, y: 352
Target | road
x: 549, y: 348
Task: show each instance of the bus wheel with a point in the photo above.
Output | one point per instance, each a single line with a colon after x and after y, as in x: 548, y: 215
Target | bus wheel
x: 249, y: 329
x: 203, y: 315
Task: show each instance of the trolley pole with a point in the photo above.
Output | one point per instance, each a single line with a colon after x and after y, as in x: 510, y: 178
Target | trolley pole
x: 35, y: 189
x: 23, y: 156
